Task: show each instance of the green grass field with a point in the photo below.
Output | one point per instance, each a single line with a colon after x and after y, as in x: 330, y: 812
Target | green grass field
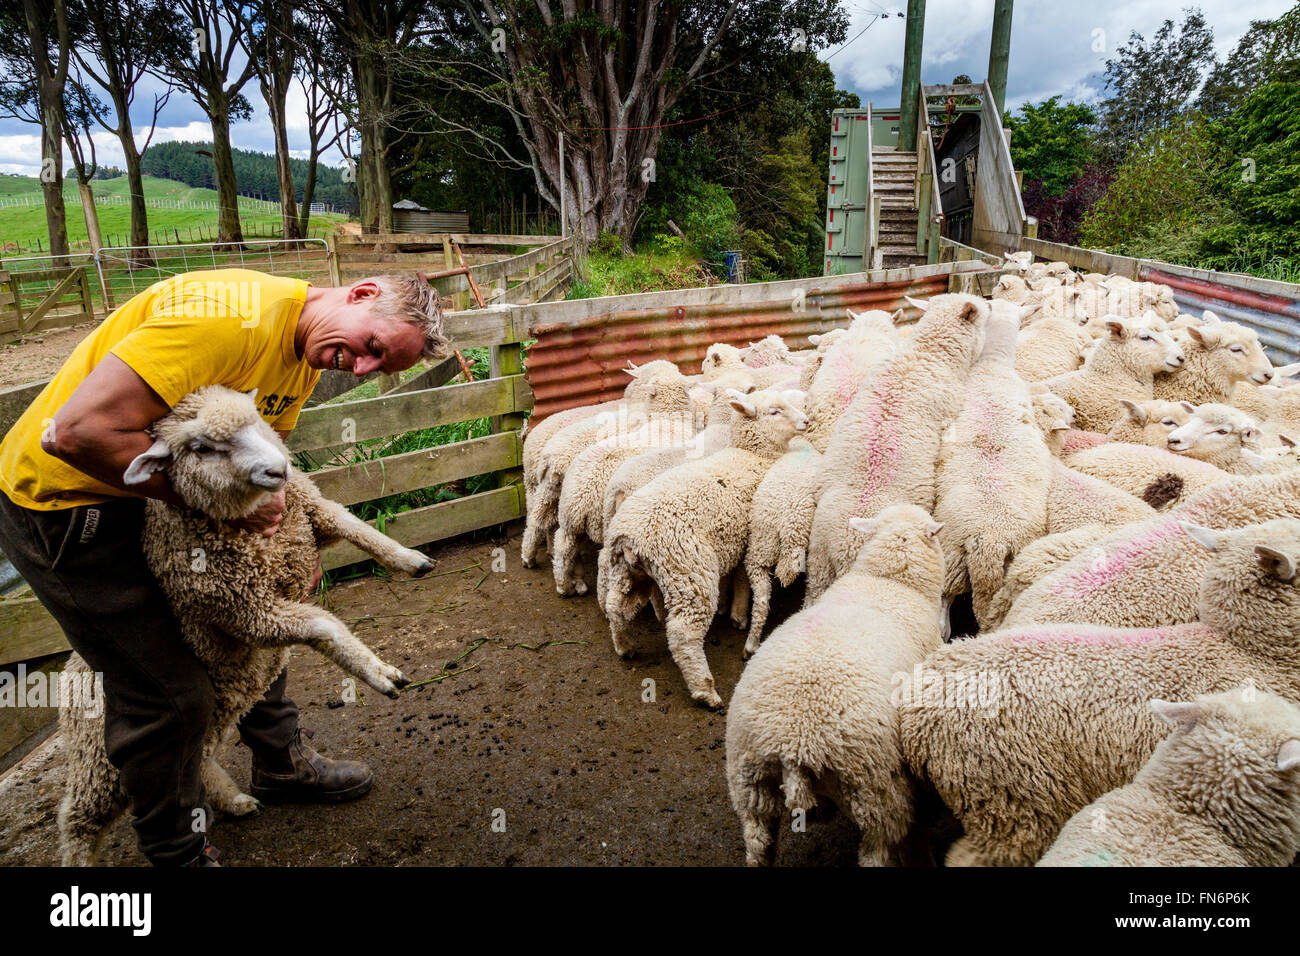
x: 25, y: 225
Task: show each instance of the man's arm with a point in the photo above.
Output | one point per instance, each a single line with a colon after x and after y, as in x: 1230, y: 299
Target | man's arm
x: 101, y: 428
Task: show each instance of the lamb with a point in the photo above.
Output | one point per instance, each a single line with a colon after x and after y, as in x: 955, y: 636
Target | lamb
x: 678, y: 536
x: 767, y: 352
x: 813, y: 363
x: 1050, y: 347
x: 884, y: 447
x: 1159, y: 477
x: 780, y: 522
x: 1053, y: 416
x: 1283, y: 417
x: 993, y: 472
x: 1146, y: 574
x: 582, y: 497
x: 1218, y: 435
x: 719, y: 357
x: 1020, y: 260
x: 1149, y: 422
x: 661, y: 390
x: 1216, y: 357
x: 1259, y: 400
x: 244, y: 611
x: 1273, y: 461
x: 1013, y: 288
x: 1073, y: 720
x: 1222, y: 790
x: 1123, y: 366
x: 815, y: 711
x: 848, y: 364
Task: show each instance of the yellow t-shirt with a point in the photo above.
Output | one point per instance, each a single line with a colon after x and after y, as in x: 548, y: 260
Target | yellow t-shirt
x: 231, y: 327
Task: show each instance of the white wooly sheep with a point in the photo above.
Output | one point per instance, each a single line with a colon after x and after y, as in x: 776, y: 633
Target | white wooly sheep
x: 1273, y: 461
x: 1012, y: 288
x: 812, y: 363
x: 1075, y: 499
x: 846, y: 368
x: 1260, y: 400
x: 1159, y: 477
x: 993, y: 471
x: 780, y: 522
x: 1146, y: 574
x: 815, y: 710
x: 582, y: 497
x: 1020, y: 260
x: 1216, y: 357
x: 681, y: 534
x: 1073, y: 719
x: 240, y: 611
x: 1218, y: 435
x: 1149, y: 422
x: 1122, y: 366
x: 1053, y: 416
x: 1128, y: 298
x: 1223, y: 789
x: 766, y: 352
x: 1050, y: 347
x: 1283, y: 417
x: 885, y: 445
x: 661, y: 390
x: 720, y: 357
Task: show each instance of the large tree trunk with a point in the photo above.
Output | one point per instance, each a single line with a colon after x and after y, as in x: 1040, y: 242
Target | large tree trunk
x: 91, y: 215
x: 284, y: 172
x: 135, y: 183
x: 56, y: 216
x: 229, y: 230
x: 308, y: 191
x: 374, y: 184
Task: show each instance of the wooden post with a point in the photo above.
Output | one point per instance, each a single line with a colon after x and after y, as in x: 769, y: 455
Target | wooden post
x: 913, y: 42
x: 332, y: 247
x: 508, y: 359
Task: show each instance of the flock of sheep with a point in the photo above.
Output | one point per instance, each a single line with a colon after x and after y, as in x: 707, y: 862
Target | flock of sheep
x: 1114, y: 484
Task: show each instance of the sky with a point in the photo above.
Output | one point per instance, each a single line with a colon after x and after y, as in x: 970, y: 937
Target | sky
x: 1057, y: 48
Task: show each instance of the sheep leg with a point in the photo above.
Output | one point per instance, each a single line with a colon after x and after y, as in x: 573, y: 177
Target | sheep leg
x: 283, y: 623
x: 565, y: 564
x: 986, y: 563
x: 760, y: 583
x: 92, y: 797
x: 224, y: 795
x: 686, y: 644
x: 657, y: 602
x: 740, y: 595
x: 543, y: 511
x: 332, y: 521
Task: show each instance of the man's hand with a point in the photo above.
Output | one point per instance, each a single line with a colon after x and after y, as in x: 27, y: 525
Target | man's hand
x: 266, y: 519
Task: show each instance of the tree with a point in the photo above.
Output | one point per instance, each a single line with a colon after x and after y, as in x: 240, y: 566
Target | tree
x: 78, y: 121
x: 607, y: 77
x: 123, y: 38
x: 322, y: 73
x: 1051, y: 143
x: 35, y: 47
x: 206, y: 74
x: 1154, y: 83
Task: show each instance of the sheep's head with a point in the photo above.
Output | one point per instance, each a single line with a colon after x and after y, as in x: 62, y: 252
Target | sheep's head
x: 768, y: 351
x: 1272, y: 461
x: 719, y: 356
x: 1150, y: 422
x: 1252, y: 573
x: 1021, y: 260
x: 1233, y: 350
x: 1253, y: 732
x: 903, y: 543
x: 658, y: 387
x: 1213, y: 431
x: 952, y: 325
x: 767, y: 420
x: 219, y: 455
x: 1146, y: 347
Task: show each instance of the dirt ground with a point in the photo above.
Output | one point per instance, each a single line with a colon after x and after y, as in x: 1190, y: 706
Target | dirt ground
x: 551, y: 742
x: 38, y: 357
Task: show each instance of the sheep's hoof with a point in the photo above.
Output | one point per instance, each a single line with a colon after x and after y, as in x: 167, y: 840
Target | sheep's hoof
x: 707, y: 698
x: 528, y: 562
x: 740, y: 623
x: 243, y: 806
x: 422, y: 570
x: 580, y: 588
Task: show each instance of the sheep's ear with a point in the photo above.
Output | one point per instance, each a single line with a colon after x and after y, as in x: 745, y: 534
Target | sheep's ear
x: 748, y: 409
x: 1287, y: 441
x: 1134, y: 411
x: 1256, y: 461
x: 252, y: 394
x: 1288, y: 755
x: 921, y: 304
x: 654, y: 388
x: 1209, y: 317
x: 1286, y: 371
x: 1207, y: 538
x: 1060, y: 425
x: 1187, y: 406
x: 1275, y: 562
x: 815, y: 339
x: 1177, y: 713
x: 853, y: 316
x: 631, y: 369
x: 1196, y: 334
x: 147, y: 463
x: 898, y: 316
x: 1028, y: 310
x: 1005, y: 282
x: 710, y: 387
x: 933, y: 528
x: 1116, y: 326
x: 865, y: 525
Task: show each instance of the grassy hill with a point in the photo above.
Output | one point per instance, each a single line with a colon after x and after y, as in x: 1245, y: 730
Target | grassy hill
x: 25, y: 225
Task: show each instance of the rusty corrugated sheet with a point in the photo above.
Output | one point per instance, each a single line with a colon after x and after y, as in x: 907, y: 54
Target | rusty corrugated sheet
x: 1275, y: 317
x: 580, y: 362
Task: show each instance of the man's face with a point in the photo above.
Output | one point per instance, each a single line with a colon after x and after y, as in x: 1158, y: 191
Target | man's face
x: 355, y: 338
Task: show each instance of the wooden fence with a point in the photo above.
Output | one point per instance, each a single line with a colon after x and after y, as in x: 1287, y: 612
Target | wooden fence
x: 44, y: 299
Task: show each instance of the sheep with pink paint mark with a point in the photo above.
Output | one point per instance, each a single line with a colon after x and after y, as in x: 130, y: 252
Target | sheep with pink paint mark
x: 884, y: 447
x: 1146, y: 574
x: 1073, y: 720
x: 1049, y: 347
x: 1142, y: 471
x: 994, y: 470
x: 848, y: 366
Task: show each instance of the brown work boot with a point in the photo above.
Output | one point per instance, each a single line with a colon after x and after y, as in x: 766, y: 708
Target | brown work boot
x: 298, y: 774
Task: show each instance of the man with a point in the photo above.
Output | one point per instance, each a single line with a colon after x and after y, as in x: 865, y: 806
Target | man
x: 72, y: 529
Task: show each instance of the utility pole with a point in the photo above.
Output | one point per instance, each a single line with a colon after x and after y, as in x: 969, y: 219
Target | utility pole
x: 911, y: 74
x: 1000, y: 53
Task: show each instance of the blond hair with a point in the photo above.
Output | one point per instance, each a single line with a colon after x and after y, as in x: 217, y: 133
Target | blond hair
x: 408, y: 298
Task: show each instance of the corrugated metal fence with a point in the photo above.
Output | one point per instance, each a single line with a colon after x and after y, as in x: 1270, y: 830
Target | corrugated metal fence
x: 582, y: 346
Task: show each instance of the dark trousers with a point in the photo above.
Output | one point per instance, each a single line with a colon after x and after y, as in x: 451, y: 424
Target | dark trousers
x: 87, y: 567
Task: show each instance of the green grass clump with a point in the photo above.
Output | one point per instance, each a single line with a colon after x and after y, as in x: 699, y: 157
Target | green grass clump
x: 664, y: 263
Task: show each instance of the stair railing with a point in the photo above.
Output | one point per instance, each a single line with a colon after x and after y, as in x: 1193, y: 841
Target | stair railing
x: 929, y: 206
x: 871, y: 254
